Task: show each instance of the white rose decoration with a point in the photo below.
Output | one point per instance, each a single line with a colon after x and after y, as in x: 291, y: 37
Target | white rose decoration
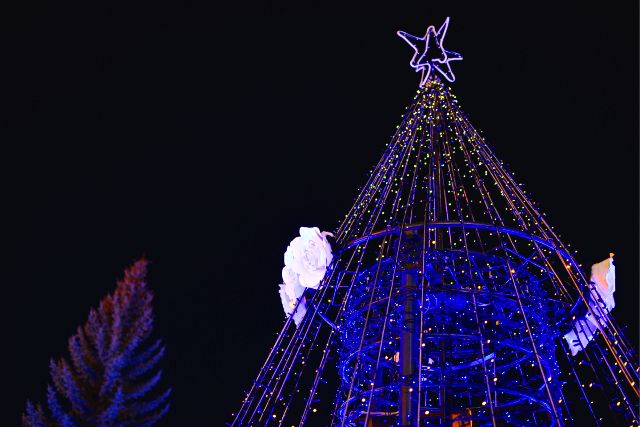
x: 603, y: 275
x: 309, y: 256
x: 293, y: 306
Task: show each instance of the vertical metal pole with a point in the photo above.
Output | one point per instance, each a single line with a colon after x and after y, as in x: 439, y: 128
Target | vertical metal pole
x: 443, y: 389
x: 409, y: 351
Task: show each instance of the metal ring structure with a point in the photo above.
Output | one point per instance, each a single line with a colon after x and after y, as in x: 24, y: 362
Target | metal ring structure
x: 453, y: 366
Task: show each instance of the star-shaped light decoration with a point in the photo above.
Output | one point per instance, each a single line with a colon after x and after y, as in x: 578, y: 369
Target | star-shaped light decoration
x: 430, y: 53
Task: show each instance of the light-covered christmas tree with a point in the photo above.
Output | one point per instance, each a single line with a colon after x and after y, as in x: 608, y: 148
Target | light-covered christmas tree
x: 449, y: 299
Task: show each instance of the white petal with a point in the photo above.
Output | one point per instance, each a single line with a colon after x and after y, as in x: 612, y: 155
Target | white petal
x: 310, y: 233
x: 292, y: 285
x: 294, y: 290
x: 297, y: 247
x: 599, y: 274
x: 311, y: 279
x: 284, y: 298
x: 288, y: 256
x: 611, y: 276
x: 298, y: 265
x: 603, y: 274
x: 288, y: 275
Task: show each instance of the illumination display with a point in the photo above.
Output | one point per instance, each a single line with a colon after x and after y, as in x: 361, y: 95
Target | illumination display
x: 446, y: 301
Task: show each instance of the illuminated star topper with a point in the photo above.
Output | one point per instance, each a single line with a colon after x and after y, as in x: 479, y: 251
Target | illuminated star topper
x: 430, y: 53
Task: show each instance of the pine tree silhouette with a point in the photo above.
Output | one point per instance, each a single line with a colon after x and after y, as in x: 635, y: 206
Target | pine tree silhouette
x: 112, y: 374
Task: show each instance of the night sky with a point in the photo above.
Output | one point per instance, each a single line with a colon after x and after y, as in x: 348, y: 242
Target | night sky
x: 204, y: 137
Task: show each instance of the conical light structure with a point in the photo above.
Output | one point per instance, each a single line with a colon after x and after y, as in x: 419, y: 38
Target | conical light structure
x: 446, y: 303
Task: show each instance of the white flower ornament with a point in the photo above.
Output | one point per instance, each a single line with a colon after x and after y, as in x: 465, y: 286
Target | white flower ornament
x: 306, y: 261
x: 601, y: 301
x: 309, y: 256
x: 292, y: 285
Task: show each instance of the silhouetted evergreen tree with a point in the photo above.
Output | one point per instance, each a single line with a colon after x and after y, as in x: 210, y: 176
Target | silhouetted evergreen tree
x: 112, y: 372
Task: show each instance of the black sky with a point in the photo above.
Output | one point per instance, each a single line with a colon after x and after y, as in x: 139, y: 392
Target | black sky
x: 203, y: 137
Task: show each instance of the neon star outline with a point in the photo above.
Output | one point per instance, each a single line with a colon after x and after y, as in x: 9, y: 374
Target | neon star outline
x: 424, y: 63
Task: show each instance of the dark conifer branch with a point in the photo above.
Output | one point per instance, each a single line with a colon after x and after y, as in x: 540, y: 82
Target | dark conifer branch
x: 112, y: 377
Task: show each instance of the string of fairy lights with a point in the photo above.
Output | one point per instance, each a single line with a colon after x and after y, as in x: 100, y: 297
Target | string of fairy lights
x: 398, y: 198
x: 496, y: 291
